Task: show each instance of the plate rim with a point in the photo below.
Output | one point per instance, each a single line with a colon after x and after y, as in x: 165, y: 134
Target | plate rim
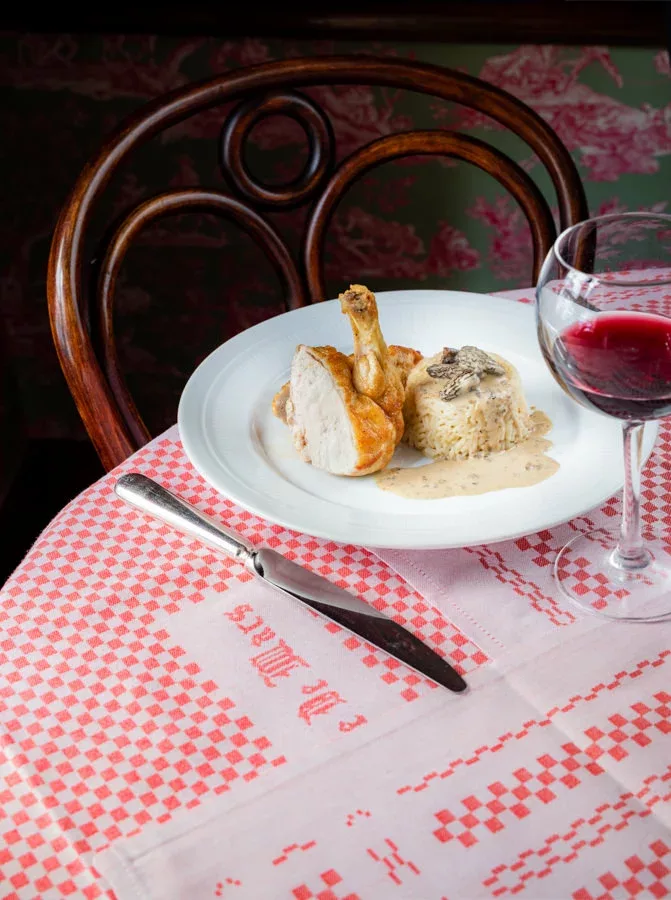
x: 193, y: 386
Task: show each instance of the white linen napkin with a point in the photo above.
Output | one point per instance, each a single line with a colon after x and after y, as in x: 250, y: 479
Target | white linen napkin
x: 502, y: 595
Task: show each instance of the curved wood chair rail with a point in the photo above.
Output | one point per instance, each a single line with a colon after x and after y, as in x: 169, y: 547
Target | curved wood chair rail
x: 95, y: 380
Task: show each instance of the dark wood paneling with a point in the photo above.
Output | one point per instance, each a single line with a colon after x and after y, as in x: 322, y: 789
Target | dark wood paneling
x: 623, y: 22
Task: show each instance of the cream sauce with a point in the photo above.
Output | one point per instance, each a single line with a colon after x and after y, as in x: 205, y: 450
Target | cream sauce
x: 524, y: 464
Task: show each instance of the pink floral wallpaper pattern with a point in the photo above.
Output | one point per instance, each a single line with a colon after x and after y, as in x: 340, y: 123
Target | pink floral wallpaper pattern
x: 192, y: 282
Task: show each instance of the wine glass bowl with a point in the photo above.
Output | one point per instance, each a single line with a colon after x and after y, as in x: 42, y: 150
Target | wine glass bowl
x: 603, y: 313
x: 617, y: 363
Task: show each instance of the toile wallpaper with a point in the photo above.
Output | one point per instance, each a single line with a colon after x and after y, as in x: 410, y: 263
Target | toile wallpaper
x: 192, y: 282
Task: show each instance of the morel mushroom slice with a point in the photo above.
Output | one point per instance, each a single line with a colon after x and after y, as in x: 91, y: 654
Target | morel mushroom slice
x: 478, y: 361
x: 459, y: 382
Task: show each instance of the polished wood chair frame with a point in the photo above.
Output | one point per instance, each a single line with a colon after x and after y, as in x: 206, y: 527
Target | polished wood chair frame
x: 89, y: 360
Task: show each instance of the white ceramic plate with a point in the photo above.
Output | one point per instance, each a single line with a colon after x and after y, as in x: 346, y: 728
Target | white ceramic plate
x: 232, y: 438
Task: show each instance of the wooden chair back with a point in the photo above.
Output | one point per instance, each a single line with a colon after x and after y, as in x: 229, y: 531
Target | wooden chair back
x: 77, y: 307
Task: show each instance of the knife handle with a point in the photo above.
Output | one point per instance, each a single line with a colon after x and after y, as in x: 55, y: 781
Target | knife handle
x: 151, y: 498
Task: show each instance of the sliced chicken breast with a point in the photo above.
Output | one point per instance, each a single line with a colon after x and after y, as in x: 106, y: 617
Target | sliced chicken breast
x: 334, y: 427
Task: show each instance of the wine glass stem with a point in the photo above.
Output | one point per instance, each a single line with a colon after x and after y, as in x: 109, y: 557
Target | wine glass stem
x: 630, y: 552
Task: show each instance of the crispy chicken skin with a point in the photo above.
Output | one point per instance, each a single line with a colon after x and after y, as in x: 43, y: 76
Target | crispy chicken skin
x: 282, y: 403
x: 346, y: 412
x: 373, y: 371
x: 335, y: 427
x: 405, y: 359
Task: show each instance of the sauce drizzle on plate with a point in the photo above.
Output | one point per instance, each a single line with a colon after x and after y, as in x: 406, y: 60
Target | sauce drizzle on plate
x: 524, y: 464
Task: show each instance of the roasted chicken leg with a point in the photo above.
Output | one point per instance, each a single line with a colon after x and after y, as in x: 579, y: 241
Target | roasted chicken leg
x: 373, y: 372
x: 345, y: 412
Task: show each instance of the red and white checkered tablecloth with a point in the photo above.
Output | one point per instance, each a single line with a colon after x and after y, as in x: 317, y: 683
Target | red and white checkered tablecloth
x: 171, y: 727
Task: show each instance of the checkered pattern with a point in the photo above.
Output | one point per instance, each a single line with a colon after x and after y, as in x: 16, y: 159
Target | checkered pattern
x: 493, y: 560
x: 330, y: 879
x: 640, y: 725
x: 564, y: 848
x: 524, y: 566
x: 551, y: 776
x: 572, y: 800
x: 350, y: 567
x: 108, y: 727
x: 541, y: 549
x: 107, y: 724
x: 644, y: 874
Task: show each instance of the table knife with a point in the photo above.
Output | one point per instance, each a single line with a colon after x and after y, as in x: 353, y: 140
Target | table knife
x: 314, y: 590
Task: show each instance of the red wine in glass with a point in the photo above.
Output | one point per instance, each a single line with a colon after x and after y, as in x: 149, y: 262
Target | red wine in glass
x: 600, y: 299
x: 618, y: 363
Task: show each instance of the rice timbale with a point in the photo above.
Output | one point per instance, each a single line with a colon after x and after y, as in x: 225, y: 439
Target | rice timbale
x: 484, y: 413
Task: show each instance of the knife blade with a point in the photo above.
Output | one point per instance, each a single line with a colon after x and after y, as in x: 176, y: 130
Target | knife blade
x: 292, y: 579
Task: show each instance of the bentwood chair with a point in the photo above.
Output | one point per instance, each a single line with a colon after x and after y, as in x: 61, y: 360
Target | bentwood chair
x: 81, y: 312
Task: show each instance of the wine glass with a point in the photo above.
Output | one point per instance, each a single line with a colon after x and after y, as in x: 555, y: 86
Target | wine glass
x: 603, y: 315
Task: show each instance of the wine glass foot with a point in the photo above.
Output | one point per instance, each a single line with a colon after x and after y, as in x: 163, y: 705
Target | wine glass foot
x: 587, y: 574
